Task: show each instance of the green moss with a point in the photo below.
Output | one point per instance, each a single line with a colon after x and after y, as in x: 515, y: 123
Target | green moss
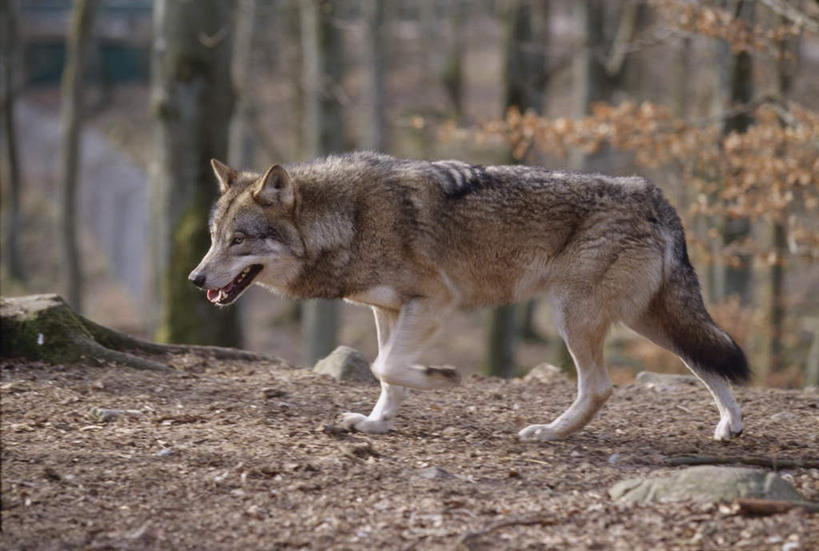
x: 41, y: 327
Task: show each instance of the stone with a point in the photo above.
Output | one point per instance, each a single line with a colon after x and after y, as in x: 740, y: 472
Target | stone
x: 345, y: 364
x: 545, y: 373
x: 706, y: 483
x: 432, y: 473
x: 108, y: 415
x: 783, y: 416
x: 664, y: 380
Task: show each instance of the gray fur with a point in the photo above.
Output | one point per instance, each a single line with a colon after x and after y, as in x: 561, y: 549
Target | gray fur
x: 417, y: 239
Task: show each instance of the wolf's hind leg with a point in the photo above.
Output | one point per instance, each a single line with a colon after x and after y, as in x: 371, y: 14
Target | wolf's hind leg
x: 730, y: 423
x: 584, y: 338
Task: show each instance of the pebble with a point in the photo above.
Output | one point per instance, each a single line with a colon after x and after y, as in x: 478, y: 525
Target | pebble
x: 256, y: 512
x: 164, y: 452
x: 106, y: 415
x: 431, y: 473
x: 782, y: 416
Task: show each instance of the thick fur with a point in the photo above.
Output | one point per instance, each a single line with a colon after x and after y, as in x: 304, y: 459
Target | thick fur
x: 416, y: 240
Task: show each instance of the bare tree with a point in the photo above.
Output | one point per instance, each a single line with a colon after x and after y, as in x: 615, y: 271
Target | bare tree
x: 377, y: 133
x: 9, y: 85
x: 443, y: 28
x: 323, y: 68
x: 241, y: 140
x: 786, y: 69
x: 525, y: 80
x: 79, y: 37
x: 192, y: 102
x: 736, y: 80
x: 599, y: 63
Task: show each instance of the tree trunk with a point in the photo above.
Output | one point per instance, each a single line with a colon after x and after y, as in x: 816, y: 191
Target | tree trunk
x: 323, y: 134
x: 82, y: 25
x: 503, y: 330
x: 525, y: 81
x: 526, y: 71
x: 241, y: 143
x: 43, y: 327
x: 10, y: 79
x: 445, y: 48
x: 192, y: 101
x: 737, y: 91
x: 376, y: 136
x: 786, y: 70
x: 453, y: 69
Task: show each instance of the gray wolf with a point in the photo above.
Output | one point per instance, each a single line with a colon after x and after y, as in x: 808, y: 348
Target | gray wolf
x: 415, y: 240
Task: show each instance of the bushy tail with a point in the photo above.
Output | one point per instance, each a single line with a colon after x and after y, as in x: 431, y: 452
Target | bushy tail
x: 695, y: 336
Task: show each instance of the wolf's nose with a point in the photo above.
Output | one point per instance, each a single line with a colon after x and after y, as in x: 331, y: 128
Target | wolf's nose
x: 197, y: 279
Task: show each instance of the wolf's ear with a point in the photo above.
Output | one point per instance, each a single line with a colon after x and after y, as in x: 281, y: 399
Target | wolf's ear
x: 275, y: 188
x: 225, y: 175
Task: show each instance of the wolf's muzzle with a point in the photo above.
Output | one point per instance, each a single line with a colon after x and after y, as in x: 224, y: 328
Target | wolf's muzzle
x: 197, y: 279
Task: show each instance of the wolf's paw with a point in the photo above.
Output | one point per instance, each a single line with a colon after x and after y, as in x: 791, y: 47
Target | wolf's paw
x: 362, y: 423
x: 726, y: 430
x: 539, y: 433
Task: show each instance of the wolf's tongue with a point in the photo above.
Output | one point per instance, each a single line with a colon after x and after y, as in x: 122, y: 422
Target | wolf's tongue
x: 213, y: 294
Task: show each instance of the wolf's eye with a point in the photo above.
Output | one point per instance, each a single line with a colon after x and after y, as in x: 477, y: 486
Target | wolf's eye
x: 237, y: 240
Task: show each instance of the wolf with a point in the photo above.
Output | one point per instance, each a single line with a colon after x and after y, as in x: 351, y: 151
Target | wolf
x: 416, y: 240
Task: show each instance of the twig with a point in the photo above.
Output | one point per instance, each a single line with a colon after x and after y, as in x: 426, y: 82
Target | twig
x: 758, y: 461
x: 793, y: 14
x: 751, y: 506
x: 530, y: 521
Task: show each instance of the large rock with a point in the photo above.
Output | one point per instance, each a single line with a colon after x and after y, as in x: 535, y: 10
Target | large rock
x: 346, y: 364
x: 706, y: 483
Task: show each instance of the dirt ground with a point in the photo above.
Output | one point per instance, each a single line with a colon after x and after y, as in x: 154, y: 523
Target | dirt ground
x: 237, y: 455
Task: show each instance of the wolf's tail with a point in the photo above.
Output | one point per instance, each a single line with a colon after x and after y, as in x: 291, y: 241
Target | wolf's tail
x: 688, y: 328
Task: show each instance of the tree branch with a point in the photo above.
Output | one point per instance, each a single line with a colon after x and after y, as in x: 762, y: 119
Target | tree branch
x: 758, y: 461
x: 793, y: 14
x: 760, y: 507
x: 526, y: 521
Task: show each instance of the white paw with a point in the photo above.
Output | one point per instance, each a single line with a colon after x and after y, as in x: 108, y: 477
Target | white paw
x: 726, y: 430
x: 539, y: 433
x: 362, y: 423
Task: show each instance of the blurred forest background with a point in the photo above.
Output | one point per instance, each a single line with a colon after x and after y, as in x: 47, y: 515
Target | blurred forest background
x: 112, y: 109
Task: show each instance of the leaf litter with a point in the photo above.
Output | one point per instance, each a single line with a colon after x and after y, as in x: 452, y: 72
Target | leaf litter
x: 249, y: 455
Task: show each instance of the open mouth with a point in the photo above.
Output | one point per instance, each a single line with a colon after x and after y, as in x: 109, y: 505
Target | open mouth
x: 232, y: 290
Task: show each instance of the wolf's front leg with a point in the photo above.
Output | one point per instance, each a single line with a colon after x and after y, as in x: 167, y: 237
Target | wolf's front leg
x: 402, y: 336
x: 382, y: 417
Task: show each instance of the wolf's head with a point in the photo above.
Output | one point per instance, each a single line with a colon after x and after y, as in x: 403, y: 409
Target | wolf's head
x: 254, y: 236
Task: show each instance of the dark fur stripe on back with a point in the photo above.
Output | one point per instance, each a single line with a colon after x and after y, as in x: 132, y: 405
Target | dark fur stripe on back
x: 458, y: 179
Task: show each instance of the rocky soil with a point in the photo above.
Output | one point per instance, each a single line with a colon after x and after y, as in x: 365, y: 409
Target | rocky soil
x: 248, y: 455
